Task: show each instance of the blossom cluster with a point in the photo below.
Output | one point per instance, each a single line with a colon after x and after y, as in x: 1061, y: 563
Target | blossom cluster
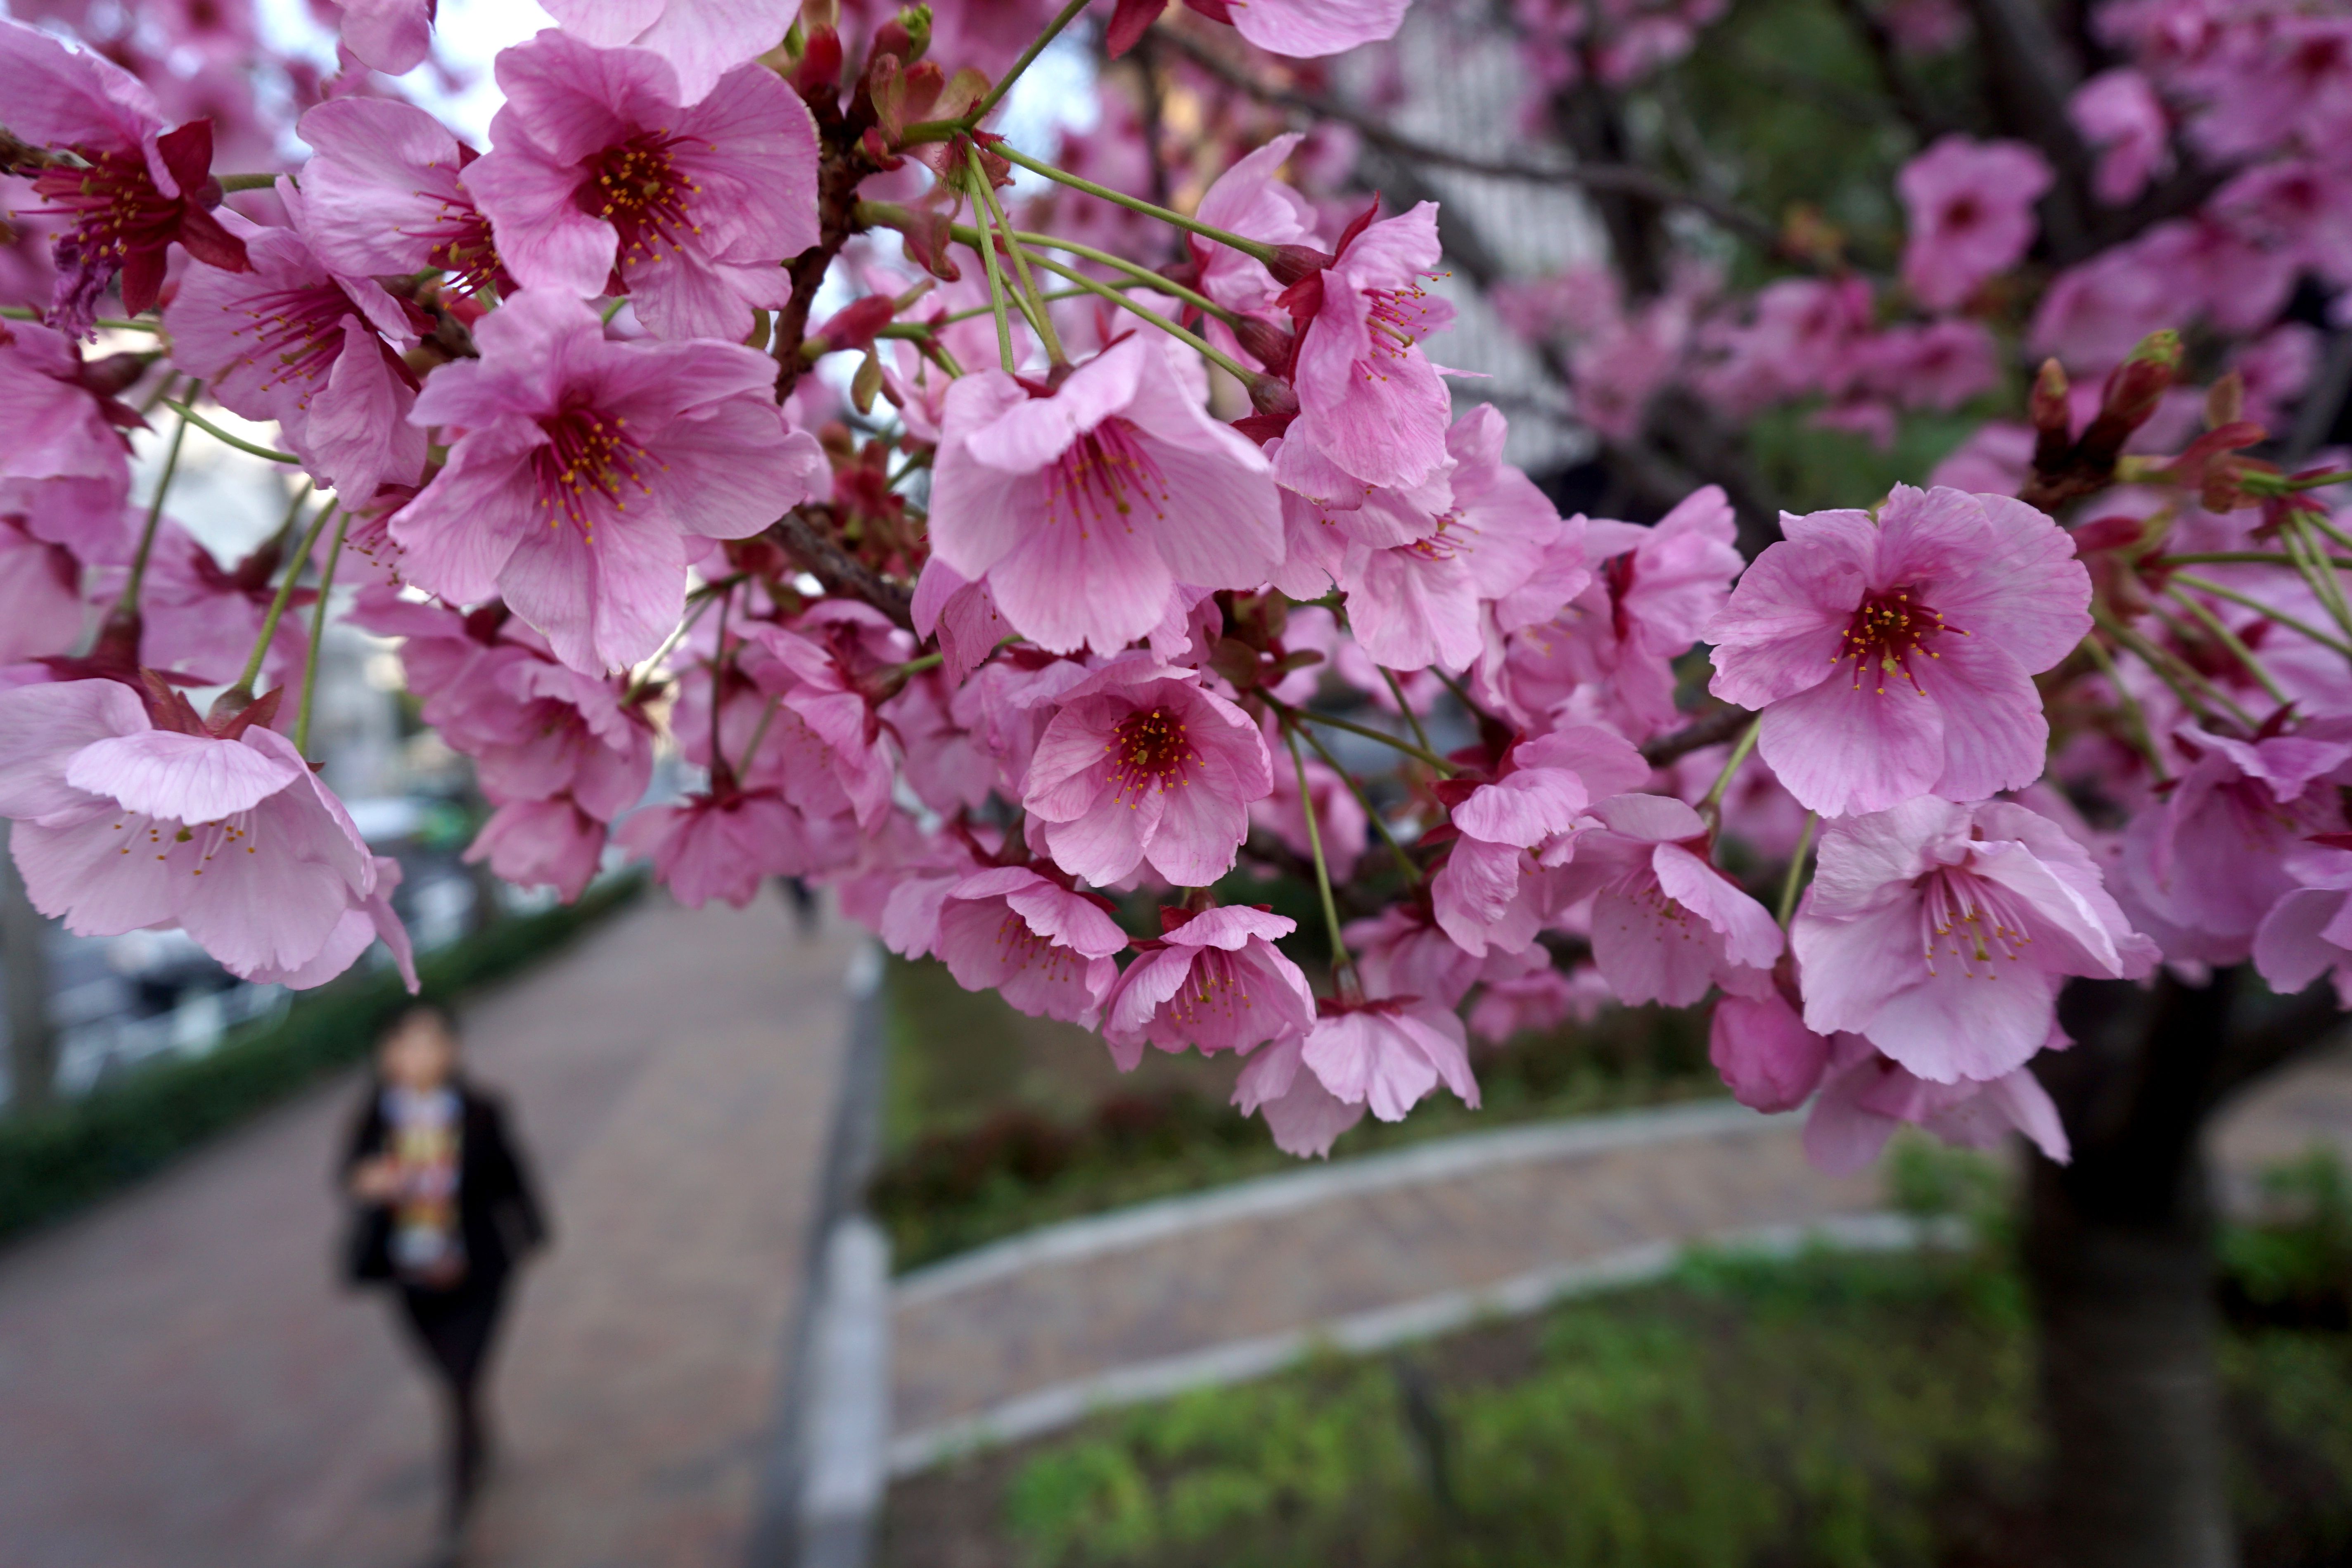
x: 1099, y: 594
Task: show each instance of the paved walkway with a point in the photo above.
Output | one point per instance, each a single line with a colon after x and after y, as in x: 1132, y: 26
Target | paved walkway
x: 182, y: 1383
x: 1025, y: 1336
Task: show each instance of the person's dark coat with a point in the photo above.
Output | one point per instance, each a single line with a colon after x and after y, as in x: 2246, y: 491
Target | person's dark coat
x: 497, y: 1212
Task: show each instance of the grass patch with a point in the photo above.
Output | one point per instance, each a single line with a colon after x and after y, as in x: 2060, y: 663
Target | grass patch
x: 54, y: 1162
x: 1835, y: 1410
x: 996, y: 1122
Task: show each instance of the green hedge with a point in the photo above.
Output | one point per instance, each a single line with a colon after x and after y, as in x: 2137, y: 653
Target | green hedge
x: 55, y: 1162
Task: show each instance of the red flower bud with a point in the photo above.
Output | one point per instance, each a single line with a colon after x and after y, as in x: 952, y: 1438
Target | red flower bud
x: 1296, y: 263
x: 2137, y: 385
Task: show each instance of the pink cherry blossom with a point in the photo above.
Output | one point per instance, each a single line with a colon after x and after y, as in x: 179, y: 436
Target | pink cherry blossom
x: 1404, y: 952
x: 1388, y: 1053
x: 1970, y: 205
x: 59, y: 426
x: 1370, y: 404
x: 1768, y: 1058
x: 601, y: 171
x: 2202, y: 867
x: 541, y: 844
x: 390, y: 35
x: 286, y: 340
x: 141, y: 189
x: 1868, y: 1096
x: 1895, y: 656
x: 1305, y: 1118
x: 1529, y: 994
x: 1213, y: 980
x: 1248, y: 199
x: 1141, y: 765
x: 1339, y: 819
x: 1940, y: 934
x: 359, y: 928
x: 121, y: 824
x: 1045, y: 948
x: 701, y: 39
x: 1666, y: 925
x: 202, y: 618
x: 41, y: 612
x: 1309, y: 30
x: 720, y: 845
x: 2119, y: 113
x: 384, y: 193
x: 1085, y: 506
x: 2308, y: 933
x: 1493, y: 890
x: 584, y: 466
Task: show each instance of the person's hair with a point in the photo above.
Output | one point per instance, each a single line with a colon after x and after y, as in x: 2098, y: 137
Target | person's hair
x: 418, y: 1012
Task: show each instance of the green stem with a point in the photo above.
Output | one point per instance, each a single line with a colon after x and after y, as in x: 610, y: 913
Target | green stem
x: 1341, y: 964
x: 319, y: 630
x: 2238, y: 649
x: 277, y: 605
x: 2156, y: 660
x: 1257, y: 248
x: 644, y: 675
x: 2134, y: 714
x: 759, y: 734
x: 128, y: 605
x: 1713, y: 803
x: 1379, y: 823
x: 2325, y: 584
x: 986, y: 246
x: 2204, y: 683
x: 218, y: 434
x: 2293, y: 623
x: 247, y: 182
x: 2313, y: 482
x: 1396, y: 689
x: 1032, y: 306
x: 27, y: 313
x: 2329, y: 529
x: 1421, y: 752
x: 1143, y: 277
x: 2240, y: 557
x: 1068, y: 14
x: 1794, y: 882
x: 1192, y: 341
x: 718, y: 681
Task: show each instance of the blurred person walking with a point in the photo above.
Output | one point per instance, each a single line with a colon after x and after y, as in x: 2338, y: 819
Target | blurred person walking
x: 444, y: 1210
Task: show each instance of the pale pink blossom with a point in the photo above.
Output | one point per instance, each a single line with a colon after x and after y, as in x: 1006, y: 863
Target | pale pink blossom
x: 1868, y: 1096
x: 584, y: 467
x: 2308, y: 933
x: 1388, y: 1053
x: 358, y: 929
x: 121, y: 824
x: 1494, y: 890
x: 286, y: 340
x: 1045, y: 948
x: 1370, y: 402
x: 1970, y: 205
x: 41, y: 610
x: 1941, y: 933
x: 1666, y: 925
x: 63, y: 421
x: 1248, y: 199
x: 1305, y: 1118
x: 1084, y: 508
x: 1213, y: 980
x: 390, y: 35
x: 1309, y: 30
x: 601, y: 172
x: 701, y: 39
x: 384, y: 193
x: 541, y: 844
x: 1895, y: 656
x: 1142, y: 766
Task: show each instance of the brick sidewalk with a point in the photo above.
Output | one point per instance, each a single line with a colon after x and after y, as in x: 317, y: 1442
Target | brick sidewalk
x: 182, y: 1383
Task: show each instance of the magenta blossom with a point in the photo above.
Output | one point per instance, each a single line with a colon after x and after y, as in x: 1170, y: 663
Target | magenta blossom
x: 1389, y: 1052
x: 701, y: 39
x: 1940, y: 934
x: 1305, y: 1118
x: 383, y: 193
x: 1369, y: 403
x: 600, y: 180
x: 61, y: 416
x: 1085, y: 506
x: 584, y: 465
x: 1046, y: 949
x: 138, y: 190
x: 1868, y: 1096
x: 1769, y: 1059
x: 1215, y: 980
x: 40, y: 595
x: 1665, y: 923
x: 719, y: 846
x: 2118, y: 112
x: 1896, y: 657
x: 122, y: 824
x: 286, y: 340
x: 1142, y: 766
x: 1970, y: 205
x: 541, y: 844
x: 2308, y: 933
x: 1248, y: 199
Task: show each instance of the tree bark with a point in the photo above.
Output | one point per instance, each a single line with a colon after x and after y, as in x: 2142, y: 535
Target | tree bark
x: 24, y: 975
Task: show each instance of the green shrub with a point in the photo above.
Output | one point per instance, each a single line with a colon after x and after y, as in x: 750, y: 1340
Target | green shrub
x: 53, y: 1163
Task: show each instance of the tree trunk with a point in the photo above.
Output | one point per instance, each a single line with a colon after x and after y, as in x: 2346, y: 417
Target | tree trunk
x: 24, y: 975
x: 2120, y: 1254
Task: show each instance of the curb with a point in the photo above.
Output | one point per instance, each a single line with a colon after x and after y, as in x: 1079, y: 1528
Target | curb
x: 1065, y: 1404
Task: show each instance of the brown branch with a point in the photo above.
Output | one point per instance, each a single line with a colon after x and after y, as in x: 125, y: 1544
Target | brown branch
x: 1621, y: 178
x: 1716, y: 728
x: 840, y: 170
x: 811, y: 542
